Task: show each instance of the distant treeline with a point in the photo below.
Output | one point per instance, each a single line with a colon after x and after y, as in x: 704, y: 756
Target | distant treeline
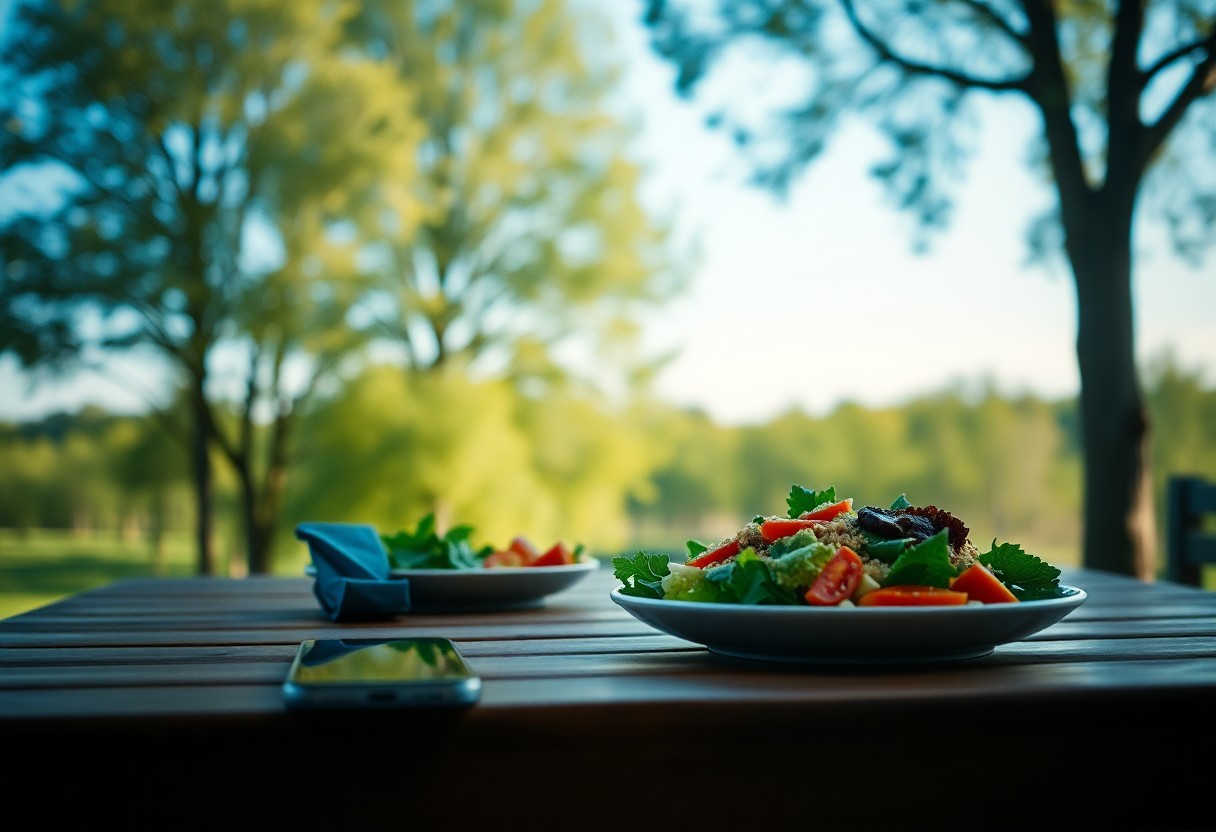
x: 393, y: 447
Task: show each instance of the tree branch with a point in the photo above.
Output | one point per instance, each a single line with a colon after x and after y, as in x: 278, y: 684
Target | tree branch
x: 986, y: 12
x: 1201, y: 82
x: 911, y: 67
x: 1181, y: 52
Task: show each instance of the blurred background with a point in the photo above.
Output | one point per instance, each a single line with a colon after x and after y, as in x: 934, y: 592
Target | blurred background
x: 617, y: 273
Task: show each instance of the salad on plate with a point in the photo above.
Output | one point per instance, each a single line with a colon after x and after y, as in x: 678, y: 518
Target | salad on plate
x: 827, y: 552
x: 425, y: 548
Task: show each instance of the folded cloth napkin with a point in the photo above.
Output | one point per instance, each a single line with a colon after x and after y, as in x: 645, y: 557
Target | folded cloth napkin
x: 353, y: 581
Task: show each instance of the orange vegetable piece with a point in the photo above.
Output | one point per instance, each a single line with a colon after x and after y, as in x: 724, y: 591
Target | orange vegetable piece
x: 772, y: 530
x: 829, y: 511
x: 912, y: 595
x: 711, y: 556
x: 981, y: 585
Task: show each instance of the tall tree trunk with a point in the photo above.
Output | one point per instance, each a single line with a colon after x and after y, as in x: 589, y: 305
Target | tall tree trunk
x: 1118, y: 517
x: 202, y: 479
x: 262, y: 505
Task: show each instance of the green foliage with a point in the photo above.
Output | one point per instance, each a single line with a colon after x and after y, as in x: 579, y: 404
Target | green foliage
x: 389, y: 449
x: 532, y: 234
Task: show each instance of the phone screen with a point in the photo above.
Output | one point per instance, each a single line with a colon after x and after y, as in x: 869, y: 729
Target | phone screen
x: 397, y: 672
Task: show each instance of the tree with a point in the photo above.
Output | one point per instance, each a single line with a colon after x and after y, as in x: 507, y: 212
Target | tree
x: 533, y: 235
x: 181, y: 135
x: 1124, y: 94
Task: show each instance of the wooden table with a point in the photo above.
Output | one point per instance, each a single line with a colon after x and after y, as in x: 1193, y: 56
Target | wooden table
x: 157, y: 702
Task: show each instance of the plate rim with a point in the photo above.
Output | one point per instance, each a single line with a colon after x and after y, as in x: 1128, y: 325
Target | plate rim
x: 849, y: 634
x: 483, y: 572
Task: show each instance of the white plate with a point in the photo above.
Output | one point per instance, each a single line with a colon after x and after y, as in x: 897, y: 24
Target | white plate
x: 496, y: 588
x: 850, y: 635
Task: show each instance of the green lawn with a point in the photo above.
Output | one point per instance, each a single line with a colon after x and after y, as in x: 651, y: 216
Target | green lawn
x: 43, y: 566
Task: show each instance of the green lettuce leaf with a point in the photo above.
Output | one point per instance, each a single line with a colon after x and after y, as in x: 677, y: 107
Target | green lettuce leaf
x: 927, y: 563
x: 748, y: 580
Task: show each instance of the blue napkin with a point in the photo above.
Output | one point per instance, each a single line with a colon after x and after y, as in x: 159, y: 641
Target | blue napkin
x: 353, y: 581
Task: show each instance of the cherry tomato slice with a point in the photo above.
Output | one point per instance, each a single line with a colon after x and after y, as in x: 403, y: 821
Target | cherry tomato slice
x: 557, y: 555
x: 838, y: 580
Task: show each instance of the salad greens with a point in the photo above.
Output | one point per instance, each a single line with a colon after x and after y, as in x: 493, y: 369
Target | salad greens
x: 424, y: 548
x: 783, y: 570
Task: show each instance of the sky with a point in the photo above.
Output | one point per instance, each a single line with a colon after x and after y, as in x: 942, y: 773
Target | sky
x: 819, y: 299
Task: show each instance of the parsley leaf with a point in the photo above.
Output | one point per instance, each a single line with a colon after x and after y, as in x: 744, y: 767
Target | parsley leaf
x: 803, y: 499
x: 1027, y: 576
x: 641, y: 575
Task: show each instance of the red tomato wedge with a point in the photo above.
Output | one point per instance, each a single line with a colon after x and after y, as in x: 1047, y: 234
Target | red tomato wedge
x: 772, y: 530
x: 980, y: 584
x: 838, y: 580
x: 524, y: 548
x: 557, y: 555
x: 912, y: 595
x: 827, y: 512
x: 711, y: 556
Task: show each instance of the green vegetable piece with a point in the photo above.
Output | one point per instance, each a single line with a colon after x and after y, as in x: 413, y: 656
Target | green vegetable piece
x: 798, y: 540
x: 887, y: 551
x: 694, y: 548
x: 803, y: 499
x: 798, y: 569
x: 1027, y: 577
x: 927, y: 563
x: 901, y: 502
x: 641, y: 575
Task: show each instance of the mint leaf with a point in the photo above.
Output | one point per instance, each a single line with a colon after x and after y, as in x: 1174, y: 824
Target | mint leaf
x: 1027, y: 576
x: 641, y: 575
x: 803, y: 499
x: 925, y: 564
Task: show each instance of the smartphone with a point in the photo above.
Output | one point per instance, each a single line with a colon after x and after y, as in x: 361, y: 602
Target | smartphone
x: 379, y: 673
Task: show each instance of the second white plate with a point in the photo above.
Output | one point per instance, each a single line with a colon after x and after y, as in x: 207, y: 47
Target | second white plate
x: 497, y: 588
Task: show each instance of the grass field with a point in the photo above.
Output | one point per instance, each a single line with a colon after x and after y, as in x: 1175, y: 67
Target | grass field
x: 43, y: 566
